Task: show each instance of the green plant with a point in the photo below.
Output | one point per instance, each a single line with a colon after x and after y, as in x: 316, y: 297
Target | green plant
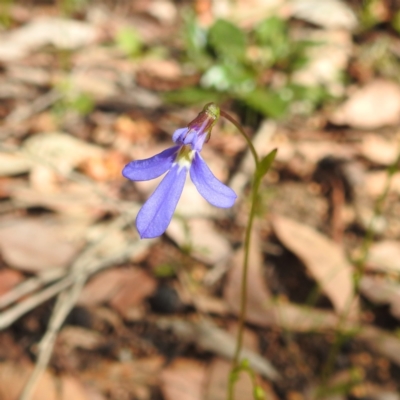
x: 241, y: 65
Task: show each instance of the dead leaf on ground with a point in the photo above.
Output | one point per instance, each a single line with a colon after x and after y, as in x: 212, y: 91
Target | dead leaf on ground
x: 331, y: 14
x: 33, y: 245
x: 202, y: 238
x: 135, y: 377
x: 384, y: 256
x: 262, y: 309
x: 13, y: 164
x: 384, y: 343
x: 218, y: 379
x: 327, y: 60
x: 325, y: 261
x: 209, y: 337
x: 258, y: 294
x: 59, y: 32
x: 381, y: 291
x: 123, y: 289
x: 184, y: 379
x: 13, y: 376
x: 72, y: 199
x: 59, y: 150
x: 375, y: 183
x: 76, y: 337
x: 379, y: 150
x: 375, y: 105
x: 9, y: 278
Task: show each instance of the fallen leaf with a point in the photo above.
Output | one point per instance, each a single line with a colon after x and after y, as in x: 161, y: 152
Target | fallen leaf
x: 375, y: 183
x: 8, y: 279
x: 184, y: 379
x: 385, y: 343
x: 202, y: 238
x: 325, y: 261
x: 218, y: 379
x: 121, y: 288
x: 375, y: 105
x: 33, y: 244
x: 381, y: 291
x: 327, y: 60
x: 72, y: 199
x: 258, y: 293
x: 76, y: 337
x: 13, y: 377
x: 209, y: 337
x: 59, y: 150
x: 13, y: 164
x: 61, y: 33
x: 379, y: 150
x: 384, y: 256
x: 135, y: 376
x: 330, y: 14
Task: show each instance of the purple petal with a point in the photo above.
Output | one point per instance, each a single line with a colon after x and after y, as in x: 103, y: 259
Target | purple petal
x: 179, y: 134
x: 214, y: 191
x: 150, y: 168
x: 155, y: 215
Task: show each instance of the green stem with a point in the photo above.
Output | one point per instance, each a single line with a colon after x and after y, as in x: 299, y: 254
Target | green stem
x: 243, y: 292
x: 243, y: 133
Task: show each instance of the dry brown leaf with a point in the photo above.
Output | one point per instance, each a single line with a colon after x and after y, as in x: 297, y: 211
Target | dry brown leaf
x: 72, y: 199
x: 331, y: 14
x: 381, y: 291
x: 258, y: 293
x: 373, y: 106
x: 218, y: 378
x: 327, y: 60
x: 81, y: 338
x: 61, y: 33
x: 201, y: 236
x: 13, y: 376
x: 385, y: 343
x: 136, y: 287
x: 13, y: 164
x: 59, y: 150
x: 209, y: 337
x: 123, y: 289
x: 262, y: 309
x: 36, y: 244
x: 325, y: 261
x: 375, y: 183
x: 184, y: 379
x: 132, y: 376
x: 8, y: 279
x: 384, y: 256
x: 379, y: 150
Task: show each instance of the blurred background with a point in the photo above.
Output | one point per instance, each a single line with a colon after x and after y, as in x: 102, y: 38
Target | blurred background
x: 88, y: 311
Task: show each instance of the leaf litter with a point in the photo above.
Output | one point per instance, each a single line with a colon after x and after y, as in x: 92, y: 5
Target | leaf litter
x: 67, y: 214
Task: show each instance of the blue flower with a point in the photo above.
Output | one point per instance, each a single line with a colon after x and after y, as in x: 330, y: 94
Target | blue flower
x: 156, y: 213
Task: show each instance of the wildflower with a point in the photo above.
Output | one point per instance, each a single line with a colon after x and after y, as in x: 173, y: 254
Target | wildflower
x: 156, y: 213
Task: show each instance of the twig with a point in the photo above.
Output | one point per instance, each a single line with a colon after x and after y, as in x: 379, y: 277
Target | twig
x: 65, y: 303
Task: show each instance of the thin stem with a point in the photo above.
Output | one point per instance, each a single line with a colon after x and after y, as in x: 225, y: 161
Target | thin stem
x: 243, y: 291
x: 240, y: 129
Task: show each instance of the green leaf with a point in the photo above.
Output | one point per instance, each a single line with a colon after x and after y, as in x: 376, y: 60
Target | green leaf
x: 195, y: 38
x: 192, y: 95
x: 129, y: 41
x: 228, y: 76
x: 265, y: 164
x: 227, y: 40
x: 270, y: 30
x: 258, y: 393
x: 268, y: 103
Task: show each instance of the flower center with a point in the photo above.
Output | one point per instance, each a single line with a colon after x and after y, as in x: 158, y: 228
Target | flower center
x: 185, y: 156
